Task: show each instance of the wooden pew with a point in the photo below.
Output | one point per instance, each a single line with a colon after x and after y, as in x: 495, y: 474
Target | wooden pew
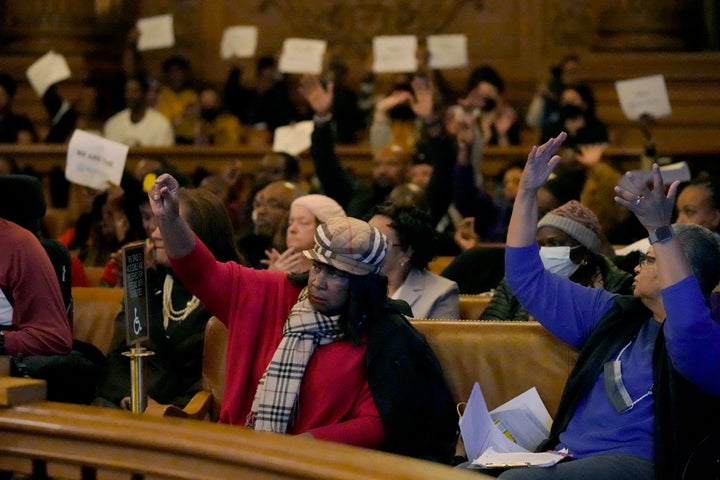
x: 77, y: 442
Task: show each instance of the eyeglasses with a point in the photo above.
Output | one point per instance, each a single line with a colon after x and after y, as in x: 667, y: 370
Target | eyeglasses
x: 645, y: 259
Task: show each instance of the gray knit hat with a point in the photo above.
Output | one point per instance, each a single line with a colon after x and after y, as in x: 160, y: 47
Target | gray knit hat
x: 576, y: 220
x: 350, y: 245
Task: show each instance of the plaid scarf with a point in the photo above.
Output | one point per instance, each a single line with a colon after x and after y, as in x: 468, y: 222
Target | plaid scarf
x: 279, y: 387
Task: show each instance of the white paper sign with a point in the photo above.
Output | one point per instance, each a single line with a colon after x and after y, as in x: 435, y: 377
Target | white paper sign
x: 302, y: 55
x: 447, y: 51
x: 293, y: 139
x: 94, y: 161
x: 395, y: 53
x: 46, y: 71
x: 643, y: 95
x: 239, y: 41
x: 156, y: 32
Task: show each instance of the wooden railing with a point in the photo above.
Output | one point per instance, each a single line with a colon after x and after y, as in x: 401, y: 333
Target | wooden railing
x: 356, y: 158
x: 66, y: 441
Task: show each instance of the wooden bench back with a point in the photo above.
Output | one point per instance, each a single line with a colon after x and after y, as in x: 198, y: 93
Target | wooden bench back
x: 506, y: 358
x: 95, y: 310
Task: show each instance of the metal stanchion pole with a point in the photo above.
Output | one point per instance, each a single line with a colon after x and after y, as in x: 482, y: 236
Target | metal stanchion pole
x: 138, y: 383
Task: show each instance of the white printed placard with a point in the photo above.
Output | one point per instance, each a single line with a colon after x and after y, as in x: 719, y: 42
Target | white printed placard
x: 644, y: 95
x: 156, y: 32
x: 47, y: 71
x: 293, y: 139
x: 302, y: 55
x: 447, y: 51
x: 395, y: 54
x: 94, y: 161
x: 239, y: 41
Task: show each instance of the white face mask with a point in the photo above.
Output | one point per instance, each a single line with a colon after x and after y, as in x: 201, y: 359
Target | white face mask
x: 557, y: 260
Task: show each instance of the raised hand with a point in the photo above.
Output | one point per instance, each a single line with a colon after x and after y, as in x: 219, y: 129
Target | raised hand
x: 164, y: 198
x: 541, y: 161
x: 423, y: 103
x: 318, y: 96
x: 590, y: 155
x: 653, y: 208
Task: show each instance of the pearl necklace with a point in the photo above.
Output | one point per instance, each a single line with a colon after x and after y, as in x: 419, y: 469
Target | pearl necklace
x: 169, y: 313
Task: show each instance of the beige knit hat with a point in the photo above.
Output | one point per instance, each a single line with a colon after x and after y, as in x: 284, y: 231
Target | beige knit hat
x: 323, y: 207
x: 350, y: 245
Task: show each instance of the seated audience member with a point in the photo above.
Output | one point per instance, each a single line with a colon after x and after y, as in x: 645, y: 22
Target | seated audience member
x: 176, y: 318
x: 176, y: 98
x: 498, y: 120
x: 307, y: 212
x: 410, y: 248
x: 490, y: 212
x: 342, y: 332
x: 212, y: 124
x: 139, y: 124
x: 394, y: 120
x: 544, y: 108
x: 347, y: 117
x: 35, y: 305
x: 263, y: 106
x: 65, y: 115
x: 115, y: 219
x: 644, y: 391
x: 390, y: 163
x: 577, y: 118
x: 14, y: 128
x: 270, y: 209
x: 570, y: 246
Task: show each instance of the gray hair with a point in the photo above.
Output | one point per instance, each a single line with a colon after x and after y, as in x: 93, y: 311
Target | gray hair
x: 702, y: 249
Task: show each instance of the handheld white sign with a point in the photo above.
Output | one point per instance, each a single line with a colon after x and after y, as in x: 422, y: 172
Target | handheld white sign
x: 156, y: 32
x: 302, y: 55
x: 447, y: 51
x: 239, y: 41
x: 293, y: 139
x: 94, y: 161
x: 47, y: 71
x: 395, y: 54
x: 644, y: 95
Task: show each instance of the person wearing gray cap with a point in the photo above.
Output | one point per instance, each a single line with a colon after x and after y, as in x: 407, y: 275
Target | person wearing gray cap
x: 570, y: 246
x: 334, y: 359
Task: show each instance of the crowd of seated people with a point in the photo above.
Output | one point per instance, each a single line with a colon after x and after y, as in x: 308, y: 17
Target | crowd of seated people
x: 321, y: 273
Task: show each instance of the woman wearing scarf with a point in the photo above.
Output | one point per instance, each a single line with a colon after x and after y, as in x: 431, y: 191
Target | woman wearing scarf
x: 335, y: 360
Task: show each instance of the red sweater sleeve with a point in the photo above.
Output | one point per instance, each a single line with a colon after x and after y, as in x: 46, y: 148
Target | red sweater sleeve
x: 40, y: 323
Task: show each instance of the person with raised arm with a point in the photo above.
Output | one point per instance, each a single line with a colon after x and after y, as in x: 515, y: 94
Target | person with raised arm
x: 644, y: 391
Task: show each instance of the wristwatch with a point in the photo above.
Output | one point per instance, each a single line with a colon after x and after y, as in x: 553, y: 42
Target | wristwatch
x: 661, y: 234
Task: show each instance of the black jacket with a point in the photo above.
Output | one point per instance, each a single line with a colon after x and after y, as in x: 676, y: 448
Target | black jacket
x: 409, y: 389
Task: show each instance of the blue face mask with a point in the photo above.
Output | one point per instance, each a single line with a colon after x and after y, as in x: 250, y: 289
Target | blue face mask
x: 557, y: 260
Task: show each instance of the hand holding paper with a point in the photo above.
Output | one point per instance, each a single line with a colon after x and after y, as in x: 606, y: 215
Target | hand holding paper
x: 47, y: 71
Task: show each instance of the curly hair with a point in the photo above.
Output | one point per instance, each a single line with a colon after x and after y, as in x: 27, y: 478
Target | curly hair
x: 414, y: 229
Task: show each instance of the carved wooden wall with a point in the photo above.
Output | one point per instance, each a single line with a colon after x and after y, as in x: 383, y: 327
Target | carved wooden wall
x: 521, y: 38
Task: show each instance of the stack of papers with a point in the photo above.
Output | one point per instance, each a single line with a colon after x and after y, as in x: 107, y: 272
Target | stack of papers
x: 507, y: 436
